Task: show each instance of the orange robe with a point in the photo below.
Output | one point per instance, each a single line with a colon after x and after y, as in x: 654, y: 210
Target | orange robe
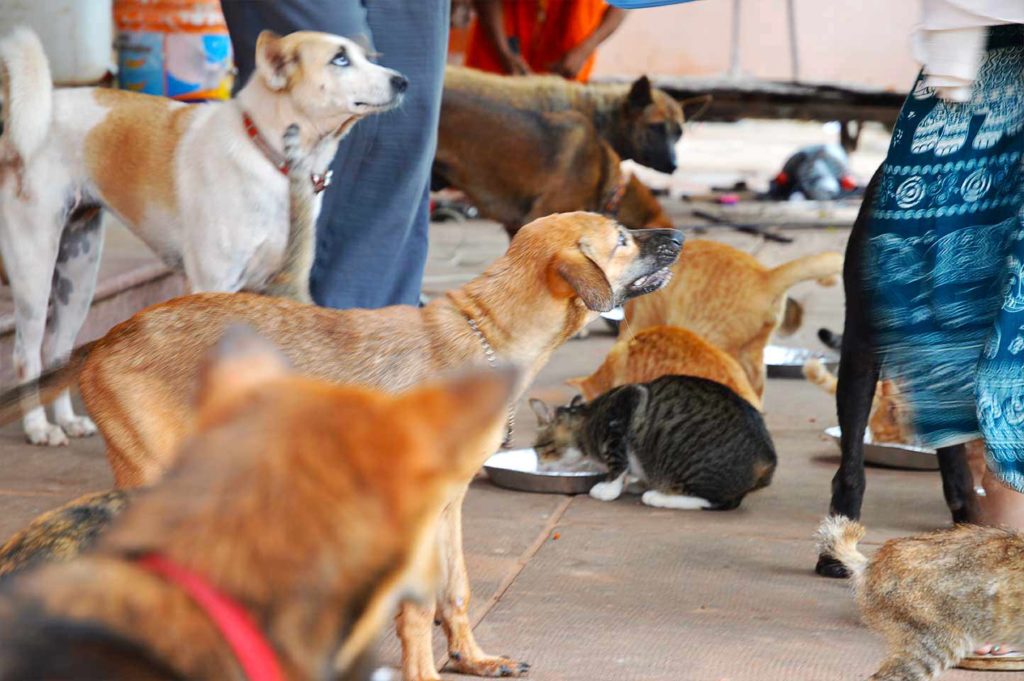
x: 546, y: 30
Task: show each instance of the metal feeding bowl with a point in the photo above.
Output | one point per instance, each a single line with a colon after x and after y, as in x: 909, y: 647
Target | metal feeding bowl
x: 893, y: 454
x: 783, y: 362
x: 518, y: 469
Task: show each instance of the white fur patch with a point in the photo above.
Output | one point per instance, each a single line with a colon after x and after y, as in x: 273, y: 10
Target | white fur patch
x: 677, y: 501
x: 608, y: 491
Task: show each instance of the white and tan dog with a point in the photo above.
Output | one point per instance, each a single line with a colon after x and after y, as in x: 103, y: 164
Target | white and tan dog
x: 205, y: 186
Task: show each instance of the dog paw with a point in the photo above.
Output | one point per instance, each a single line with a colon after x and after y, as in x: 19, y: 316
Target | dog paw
x: 830, y: 567
x: 46, y: 434
x: 491, y: 667
x: 606, y: 491
x: 78, y: 426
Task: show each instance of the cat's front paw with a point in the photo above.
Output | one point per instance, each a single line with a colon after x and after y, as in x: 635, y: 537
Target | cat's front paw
x: 607, y: 491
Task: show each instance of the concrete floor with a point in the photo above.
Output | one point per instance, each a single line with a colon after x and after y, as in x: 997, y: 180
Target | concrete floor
x: 628, y: 592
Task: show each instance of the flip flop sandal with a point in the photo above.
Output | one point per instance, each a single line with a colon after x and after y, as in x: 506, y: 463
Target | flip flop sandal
x: 1010, y: 662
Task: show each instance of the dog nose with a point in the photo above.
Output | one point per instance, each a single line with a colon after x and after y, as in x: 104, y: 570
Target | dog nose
x: 659, y: 237
x: 399, y: 83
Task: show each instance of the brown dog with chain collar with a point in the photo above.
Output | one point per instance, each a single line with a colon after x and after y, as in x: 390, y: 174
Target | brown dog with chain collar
x: 558, y: 273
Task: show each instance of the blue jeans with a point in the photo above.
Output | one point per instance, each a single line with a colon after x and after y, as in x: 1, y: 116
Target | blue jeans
x: 372, y: 235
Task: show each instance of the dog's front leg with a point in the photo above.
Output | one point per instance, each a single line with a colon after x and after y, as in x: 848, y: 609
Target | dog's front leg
x: 415, y: 631
x: 453, y: 604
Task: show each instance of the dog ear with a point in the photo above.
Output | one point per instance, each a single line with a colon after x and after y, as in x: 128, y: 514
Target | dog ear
x: 274, y: 63
x: 640, y: 95
x: 461, y: 413
x: 241, y: 362
x: 541, y: 410
x: 585, y: 279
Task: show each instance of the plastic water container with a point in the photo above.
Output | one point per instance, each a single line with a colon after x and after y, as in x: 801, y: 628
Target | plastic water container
x: 78, y: 35
x: 175, y: 48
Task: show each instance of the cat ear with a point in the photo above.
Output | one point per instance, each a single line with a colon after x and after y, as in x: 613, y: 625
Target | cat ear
x: 541, y: 410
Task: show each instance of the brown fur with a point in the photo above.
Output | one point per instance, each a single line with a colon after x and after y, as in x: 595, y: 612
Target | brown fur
x: 934, y: 597
x: 661, y: 351
x: 597, y: 102
x: 729, y: 298
x: 133, y: 164
x: 516, y: 165
x: 557, y: 272
x: 310, y: 504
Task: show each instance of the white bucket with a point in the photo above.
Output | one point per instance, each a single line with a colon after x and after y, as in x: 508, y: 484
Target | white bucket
x: 78, y: 35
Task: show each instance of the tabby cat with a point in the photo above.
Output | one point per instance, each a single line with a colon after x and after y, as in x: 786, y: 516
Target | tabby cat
x: 693, y: 443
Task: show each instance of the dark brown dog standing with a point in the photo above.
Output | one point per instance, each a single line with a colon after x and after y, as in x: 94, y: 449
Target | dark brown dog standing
x: 558, y: 273
x: 642, y: 123
x: 308, y: 506
x: 516, y: 165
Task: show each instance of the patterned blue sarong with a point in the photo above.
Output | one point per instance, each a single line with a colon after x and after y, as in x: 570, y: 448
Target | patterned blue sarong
x: 945, y: 267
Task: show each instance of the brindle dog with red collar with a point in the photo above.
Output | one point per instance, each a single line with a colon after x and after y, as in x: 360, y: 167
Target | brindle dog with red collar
x: 279, y: 545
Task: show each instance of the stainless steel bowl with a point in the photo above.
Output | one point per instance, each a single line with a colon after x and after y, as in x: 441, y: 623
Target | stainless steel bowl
x: 785, y: 362
x: 893, y: 454
x: 517, y: 469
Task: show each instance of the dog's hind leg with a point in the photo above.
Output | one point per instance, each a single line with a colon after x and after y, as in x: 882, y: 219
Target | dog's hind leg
x: 958, y: 484
x: 74, y: 282
x: 29, y: 240
x: 858, y: 378
x: 453, y: 605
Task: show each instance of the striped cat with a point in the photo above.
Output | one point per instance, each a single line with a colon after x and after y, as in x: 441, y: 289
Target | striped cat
x: 692, y: 442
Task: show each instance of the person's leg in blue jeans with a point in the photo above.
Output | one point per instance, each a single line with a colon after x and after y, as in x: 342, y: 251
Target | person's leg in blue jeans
x: 372, y: 241
x: 372, y: 235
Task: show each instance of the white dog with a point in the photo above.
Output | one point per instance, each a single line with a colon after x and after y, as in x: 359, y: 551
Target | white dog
x: 205, y: 186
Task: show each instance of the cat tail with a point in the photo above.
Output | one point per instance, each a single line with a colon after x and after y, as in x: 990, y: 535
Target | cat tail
x: 838, y: 537
x: 817, y: 373
x: 825, y: 267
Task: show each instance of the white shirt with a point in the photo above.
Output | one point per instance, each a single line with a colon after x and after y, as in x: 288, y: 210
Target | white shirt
x: 950, y: 42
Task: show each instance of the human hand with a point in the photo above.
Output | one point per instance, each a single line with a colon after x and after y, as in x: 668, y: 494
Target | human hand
x: 572, y: 63
x: 514, y: 64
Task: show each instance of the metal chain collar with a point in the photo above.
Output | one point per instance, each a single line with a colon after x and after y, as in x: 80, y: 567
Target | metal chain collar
x: 492, y: 361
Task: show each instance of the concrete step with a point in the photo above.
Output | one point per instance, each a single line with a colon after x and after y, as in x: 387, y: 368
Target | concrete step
x: 130, y: 279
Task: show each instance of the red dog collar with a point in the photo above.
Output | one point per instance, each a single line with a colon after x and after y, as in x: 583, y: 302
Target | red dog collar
x: 320, y: 180
x: 247, y: 642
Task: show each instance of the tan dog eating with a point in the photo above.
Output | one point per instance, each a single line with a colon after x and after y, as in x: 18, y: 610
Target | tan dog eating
x: 559, y: 271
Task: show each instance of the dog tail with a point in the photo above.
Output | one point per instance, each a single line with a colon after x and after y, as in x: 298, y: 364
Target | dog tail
x: 817, y: 373
x: 62, y: 533
x: 292, y: 280
x: 825, y: 267
x: 17, y: 401
x: 27, y: 91
x: 838, y: 537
